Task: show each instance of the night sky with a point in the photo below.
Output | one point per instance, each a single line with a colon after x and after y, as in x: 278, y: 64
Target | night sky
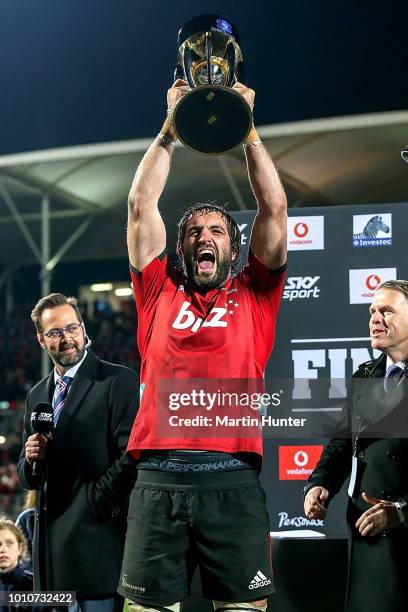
x: 84, y: 71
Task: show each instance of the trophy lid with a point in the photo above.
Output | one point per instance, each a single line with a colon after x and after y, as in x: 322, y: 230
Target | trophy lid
x: 205, y: 23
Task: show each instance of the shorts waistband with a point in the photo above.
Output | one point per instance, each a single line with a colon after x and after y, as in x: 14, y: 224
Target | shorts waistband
x: 196, y: 481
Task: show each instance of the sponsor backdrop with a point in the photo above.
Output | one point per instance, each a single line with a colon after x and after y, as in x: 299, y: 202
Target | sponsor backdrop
x: 337, y: 258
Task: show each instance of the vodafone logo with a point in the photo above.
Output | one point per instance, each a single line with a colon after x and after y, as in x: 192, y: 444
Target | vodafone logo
x: 363, y: 283
x: 298, y: 462
x: 301, y: 230
x: 301, y: 458
x: 306, y: 233
x: 373, y: 281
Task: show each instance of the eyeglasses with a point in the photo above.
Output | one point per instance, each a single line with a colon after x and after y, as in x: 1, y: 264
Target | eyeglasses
x: 72, y: 331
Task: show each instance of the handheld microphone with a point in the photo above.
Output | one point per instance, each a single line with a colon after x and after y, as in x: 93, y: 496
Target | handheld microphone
x: 42, y: 422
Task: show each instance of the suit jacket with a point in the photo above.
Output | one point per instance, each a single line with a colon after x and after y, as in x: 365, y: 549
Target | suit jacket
x: 81, y: 509
x: 375, y: 430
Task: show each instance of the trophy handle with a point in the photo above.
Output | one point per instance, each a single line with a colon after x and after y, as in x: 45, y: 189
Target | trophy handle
x: 230, y: 57
x: 187, y: 67
x: 178, y: 73
x: 208, y: 53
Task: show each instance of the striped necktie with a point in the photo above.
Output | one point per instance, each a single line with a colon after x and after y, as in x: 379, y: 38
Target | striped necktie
x: 392, y: 377
x: 60, y: 394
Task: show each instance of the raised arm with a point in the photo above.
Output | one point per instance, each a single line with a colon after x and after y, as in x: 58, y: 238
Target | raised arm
x: 146, y: 234
x: 268, y: 238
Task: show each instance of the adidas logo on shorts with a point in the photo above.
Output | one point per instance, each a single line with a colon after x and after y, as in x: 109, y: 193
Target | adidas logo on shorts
x: 259, y: 580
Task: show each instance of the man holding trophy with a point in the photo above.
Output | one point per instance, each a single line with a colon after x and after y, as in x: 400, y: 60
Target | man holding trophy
x: 197, y: 500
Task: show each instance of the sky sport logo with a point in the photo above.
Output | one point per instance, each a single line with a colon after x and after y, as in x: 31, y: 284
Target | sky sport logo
x: 301, y: 287
x: 363, y: 283
x: 305, y: 233
x: 47, y: 417
x: 372, y: 230
x: 298, y: 462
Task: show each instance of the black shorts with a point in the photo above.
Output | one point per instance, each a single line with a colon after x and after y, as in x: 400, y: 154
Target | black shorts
x: 178, y: 521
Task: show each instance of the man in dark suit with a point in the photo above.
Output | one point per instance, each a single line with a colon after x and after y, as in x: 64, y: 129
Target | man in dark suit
x: 86, y: 476
x: 373, y: 451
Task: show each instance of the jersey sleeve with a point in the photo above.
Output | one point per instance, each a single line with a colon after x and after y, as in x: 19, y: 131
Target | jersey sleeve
x: 148, y: 286
x: 148, y: 283
x: 266, y: 285
x: 265, y: 288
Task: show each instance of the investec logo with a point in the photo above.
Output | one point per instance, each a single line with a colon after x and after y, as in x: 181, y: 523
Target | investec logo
x: 301, y: 288
x: 306, y: 233
x: 364, y: 282
x: 372, y: 230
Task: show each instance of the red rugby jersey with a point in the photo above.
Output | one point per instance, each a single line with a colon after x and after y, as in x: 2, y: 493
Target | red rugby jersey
x: 227, y: 333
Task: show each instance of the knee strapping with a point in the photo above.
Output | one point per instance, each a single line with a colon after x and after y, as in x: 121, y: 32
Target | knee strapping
x: 224, y: 606
x: 137, y: 607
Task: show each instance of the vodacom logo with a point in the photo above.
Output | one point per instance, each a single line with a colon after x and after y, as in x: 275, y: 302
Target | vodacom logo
x: 373, y: 281
x: 301, y: 458
x: 301, y: 230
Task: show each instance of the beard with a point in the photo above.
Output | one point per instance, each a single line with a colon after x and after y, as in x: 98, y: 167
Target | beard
x: 68, y: 360
x: 203, y: 283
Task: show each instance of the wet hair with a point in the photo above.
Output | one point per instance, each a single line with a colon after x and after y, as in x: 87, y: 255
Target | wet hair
x: 396, y: 285
x: 6, y: 523
x: 52, y: 301
x: 205, y: 208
